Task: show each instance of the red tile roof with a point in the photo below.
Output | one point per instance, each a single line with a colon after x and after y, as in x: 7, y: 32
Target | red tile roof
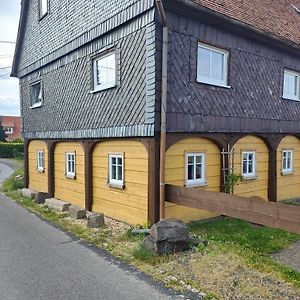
x: 276, y: 17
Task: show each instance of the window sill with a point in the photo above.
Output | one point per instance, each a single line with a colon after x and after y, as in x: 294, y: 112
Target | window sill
x: 103, y: 88
x: 192, y: 185
x: 41, y: 170
x: 116, y: 186
x: 290, y: 98
x: 287, y: 173
x: 249, y: 178
x: 36, y: 105
x: 214, y: 84
x: 71, y: 177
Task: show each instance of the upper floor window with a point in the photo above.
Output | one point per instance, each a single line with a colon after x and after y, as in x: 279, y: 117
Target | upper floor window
x: 40, y: 161
x: 43, y: 5
x: 212, y: 65
x: 291, y: 85
x: 248, y: 164
x: 70, y: 165
x: 116, y: 170
x: 287, y: 161
x: 8, y: 130
x: 36, y: 95
x: 195, y: 169
x: 104, y: 68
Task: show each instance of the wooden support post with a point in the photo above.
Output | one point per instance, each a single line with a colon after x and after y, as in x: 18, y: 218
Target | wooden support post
x: 272, y: 184
x: 51, y: 175
x: 153, y: 180
x: 88, y: 147
x: 26, y: 163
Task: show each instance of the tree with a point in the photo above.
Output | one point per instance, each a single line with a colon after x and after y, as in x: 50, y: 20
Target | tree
x: 3, y: 136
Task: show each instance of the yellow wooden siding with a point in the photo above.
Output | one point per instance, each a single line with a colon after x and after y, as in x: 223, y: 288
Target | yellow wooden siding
x: 259, y: 186
x: 176, y: 173
x: 131, y: 203
x: 70, y: 190
x: 288, y: 186
x: 38, y: 181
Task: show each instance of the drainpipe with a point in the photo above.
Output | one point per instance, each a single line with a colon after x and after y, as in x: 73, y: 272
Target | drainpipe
x: 163, y: 130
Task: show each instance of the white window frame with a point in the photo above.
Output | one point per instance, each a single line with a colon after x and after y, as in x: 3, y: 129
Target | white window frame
x: 70, y: 172
x: 112, y: 181
x: 41, y: 6
x: 208, y: 80
x: 40, y: 96
x: 287, y: 96
x: 198, y: 181
x: 107, y: 85
x: 253, y: 174
x: 284, y: 163
x: 40, y: 161
x: 9, y: 130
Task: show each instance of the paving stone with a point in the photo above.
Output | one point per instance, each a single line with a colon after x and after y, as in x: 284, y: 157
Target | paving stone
x: 28, y: 193
x: 77, y: 212
x: 57, y: 204
x: 40, y: 197
x: 95, y: 220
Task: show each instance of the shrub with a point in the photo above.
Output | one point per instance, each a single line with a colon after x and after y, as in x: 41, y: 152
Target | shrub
x: 9, y: 150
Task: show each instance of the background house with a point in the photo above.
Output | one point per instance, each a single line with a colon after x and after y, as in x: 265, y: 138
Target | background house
x: 12, y: 127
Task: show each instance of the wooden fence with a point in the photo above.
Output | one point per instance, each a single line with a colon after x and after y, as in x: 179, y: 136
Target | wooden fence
x: 255, y: 210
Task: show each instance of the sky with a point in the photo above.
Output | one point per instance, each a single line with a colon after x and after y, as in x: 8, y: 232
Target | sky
x: 9, y: 87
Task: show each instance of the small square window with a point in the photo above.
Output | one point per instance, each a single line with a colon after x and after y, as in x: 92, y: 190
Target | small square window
x: 248, y: 164
x: 195, y: 169
x: 40, y: 161
x: 70, y: 165
x: 43, y: 7
x: 291, y: 85
x: 287, y: 161
x: 116, y: 170
x: 36, y: 95
x: 104, y: 69
x: 212, y: 65
x: 8, y: 130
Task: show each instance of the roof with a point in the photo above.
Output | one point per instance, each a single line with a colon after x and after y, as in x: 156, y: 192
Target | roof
x: 279, y: 18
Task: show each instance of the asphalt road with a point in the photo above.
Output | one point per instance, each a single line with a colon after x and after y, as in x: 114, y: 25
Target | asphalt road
x: 40, y: 261
x: 6, y: 170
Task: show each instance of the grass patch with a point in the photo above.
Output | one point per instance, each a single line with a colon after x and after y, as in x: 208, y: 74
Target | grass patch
x: 14, y: 182
x: 254, y: 245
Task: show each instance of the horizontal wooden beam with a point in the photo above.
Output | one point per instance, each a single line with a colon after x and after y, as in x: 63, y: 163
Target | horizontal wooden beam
x: 255, y: 210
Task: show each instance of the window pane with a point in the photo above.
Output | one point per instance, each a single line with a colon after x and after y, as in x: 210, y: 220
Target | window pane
x: 43, y: 7
x: 120, y: 173
x: 217, y: 65
x: 113, y: 160
x: 198, y: 159
x: 198, y: 172
x: 191, y: 159
x: 290, y: 84
x: 245, y: 170
x: 190, y: 172
x: 113, y: 172
x: 105, y: 69
x: 204, y: 62
x: 120, y: 160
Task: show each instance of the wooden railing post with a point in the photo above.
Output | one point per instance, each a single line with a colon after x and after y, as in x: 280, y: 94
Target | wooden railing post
x: 272, y: 184
x: 51, y: 175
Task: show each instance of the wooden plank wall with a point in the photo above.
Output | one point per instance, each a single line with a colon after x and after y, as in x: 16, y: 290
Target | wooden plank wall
x: 276, y: 215
x: 69, y: 190
x: 288, y: 186
x: 38, y: 181
x: 131, y: 203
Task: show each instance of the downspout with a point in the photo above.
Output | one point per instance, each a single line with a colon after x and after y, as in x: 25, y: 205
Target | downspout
x: 164, y: 91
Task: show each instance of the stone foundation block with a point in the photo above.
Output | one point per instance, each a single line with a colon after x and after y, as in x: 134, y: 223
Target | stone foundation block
x: 41, y: 197
x: 28, y: 193
x: 95, y: 220
x: 77, y: 212
x: 57, y: 205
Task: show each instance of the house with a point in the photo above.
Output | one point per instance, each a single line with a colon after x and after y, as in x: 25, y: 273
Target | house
x: 119, y: 98
x: 12, y: 127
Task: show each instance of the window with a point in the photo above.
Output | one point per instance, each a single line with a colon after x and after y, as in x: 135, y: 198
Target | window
x: 104, y: 69
x: 43, y: 7
x: 212, y: 65
x: 248, y: 164
x: 8, y: 130
x: 291, y: 85
x: 40, y: 161
x: 287, y: 161
x: 195, y: 166
x: 36, y: 95
x: 116, y: 170
x: 70, y: 165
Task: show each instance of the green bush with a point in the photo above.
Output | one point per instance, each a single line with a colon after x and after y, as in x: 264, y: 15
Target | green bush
x: 11, y: 150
